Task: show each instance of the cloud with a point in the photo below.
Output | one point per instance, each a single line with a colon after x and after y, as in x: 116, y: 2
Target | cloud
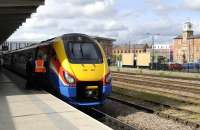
x: 110, y: 26
x: 76, y: 9
x: 162, y: 27
x: 192, y: 5
x: 70, y: 16
x: 83, y: 2
x: 127, y: 20
x: 160, y: 7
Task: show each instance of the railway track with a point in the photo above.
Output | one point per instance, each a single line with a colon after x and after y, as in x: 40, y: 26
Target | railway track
x: 158, y: 75
x: 193, y: 91
x: 182, y: 97
x: 182, y: 81
x: 190, y: 87
x: 166, y: 86
x: 112, y: 122
x: 172, y: 98
x: 189, y: 93
x: 166, y: 111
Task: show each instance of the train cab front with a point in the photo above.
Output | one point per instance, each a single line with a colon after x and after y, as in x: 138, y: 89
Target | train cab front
x: 89, y: 94
x: 92, y: 93
x: 89, y: 71
x: 86, y: 92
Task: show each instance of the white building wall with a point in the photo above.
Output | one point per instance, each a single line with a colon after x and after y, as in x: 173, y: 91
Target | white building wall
x: 161, y: 50
x: 161, y: 46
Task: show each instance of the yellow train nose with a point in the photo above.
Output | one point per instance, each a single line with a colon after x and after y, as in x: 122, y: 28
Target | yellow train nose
x: 88, y: 72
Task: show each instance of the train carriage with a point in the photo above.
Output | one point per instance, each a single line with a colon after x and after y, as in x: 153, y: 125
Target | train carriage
x: 77, y: 67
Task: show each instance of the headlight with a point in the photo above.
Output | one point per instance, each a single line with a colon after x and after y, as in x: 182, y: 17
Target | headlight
x: 108, y: 78
x: 68, y: 78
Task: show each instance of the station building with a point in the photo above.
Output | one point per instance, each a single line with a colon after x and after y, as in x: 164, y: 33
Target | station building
x: 106, y: 43
x: 161, y: 52
x: 129, y: 52
x: 134, y: 48
x: 186, y: 47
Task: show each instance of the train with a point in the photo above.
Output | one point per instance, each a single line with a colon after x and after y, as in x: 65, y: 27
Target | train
x: 77, y: 67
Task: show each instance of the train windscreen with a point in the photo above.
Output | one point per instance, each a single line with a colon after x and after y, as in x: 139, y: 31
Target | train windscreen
x: 83, y: 53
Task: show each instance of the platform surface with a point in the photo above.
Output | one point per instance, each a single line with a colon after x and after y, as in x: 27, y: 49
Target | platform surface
x: 22, y: 109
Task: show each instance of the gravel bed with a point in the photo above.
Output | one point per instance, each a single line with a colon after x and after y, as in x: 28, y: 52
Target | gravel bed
x: 140, y: 119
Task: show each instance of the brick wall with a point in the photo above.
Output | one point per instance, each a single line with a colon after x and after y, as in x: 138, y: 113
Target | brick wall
x: 185, y: 51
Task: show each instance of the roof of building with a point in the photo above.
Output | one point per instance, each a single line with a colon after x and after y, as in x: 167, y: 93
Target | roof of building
x: 132, y: 46
x: 191, y: 37
x: 140, y: 46
x: 103, y: 38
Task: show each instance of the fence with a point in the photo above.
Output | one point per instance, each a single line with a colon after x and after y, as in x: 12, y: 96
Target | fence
x: 187, y: 67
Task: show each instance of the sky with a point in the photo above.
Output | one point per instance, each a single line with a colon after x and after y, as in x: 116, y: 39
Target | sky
x: 124, y: 20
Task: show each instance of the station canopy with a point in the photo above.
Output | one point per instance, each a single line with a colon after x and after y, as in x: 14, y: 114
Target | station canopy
x: 13, y: 13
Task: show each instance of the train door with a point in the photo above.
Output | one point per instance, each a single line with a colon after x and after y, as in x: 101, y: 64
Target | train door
x: 53, y: 77
x: 48, y: 54
x: 41, y: 77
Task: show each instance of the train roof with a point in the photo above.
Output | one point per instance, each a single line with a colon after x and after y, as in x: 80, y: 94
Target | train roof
x: 50, y: 41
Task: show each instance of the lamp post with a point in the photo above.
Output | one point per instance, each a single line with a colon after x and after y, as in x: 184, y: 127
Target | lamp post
x: 189, y: 56
x: 129, y: 46
x: 134, y: 56
x: 153, y: 42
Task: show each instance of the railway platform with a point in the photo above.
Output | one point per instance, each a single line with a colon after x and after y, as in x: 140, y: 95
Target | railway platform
x: 22, y: 109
